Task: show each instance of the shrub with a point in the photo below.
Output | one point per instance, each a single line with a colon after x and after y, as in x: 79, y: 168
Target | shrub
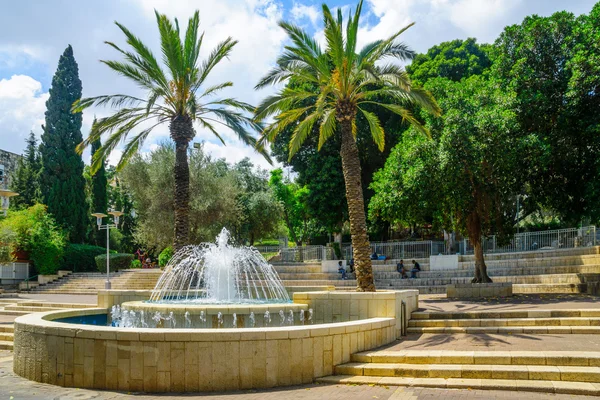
x: 117, y: 261
x: 80, y: 257
x: 165, y: 256
x: 136, y: 264
x: 35, y: 232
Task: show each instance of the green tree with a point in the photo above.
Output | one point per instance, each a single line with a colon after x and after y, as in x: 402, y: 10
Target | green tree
x: 213, y: 203
x: 172, y: 97
x: 349, y: 83
x: 62, y: 183
x: 293, y: 200
x: 261, y: 210
x: 99, y: 194
x: 26, y: 179
x: 454, y: 60
x: 552, y: 65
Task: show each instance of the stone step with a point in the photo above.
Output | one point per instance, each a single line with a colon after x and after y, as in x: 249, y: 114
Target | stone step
x: 56, y: 305
x: 545, y: 386
x: 495, y: 314
x: 547, y: 358
x: 470, y: 371
x: 7, y: 336
x: 31, y: 309
x: 532, y: 330
x: 11, y: 312
x: 463, y: 323
x: 7, y: 328
x: 561, y: 288
x: 6, y: 345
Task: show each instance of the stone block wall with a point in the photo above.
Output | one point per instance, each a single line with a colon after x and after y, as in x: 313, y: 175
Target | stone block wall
x: 180, y: 360
x: 478, y: 290
x: 352, y: 306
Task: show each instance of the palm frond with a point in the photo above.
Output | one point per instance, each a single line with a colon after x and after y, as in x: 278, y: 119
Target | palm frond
x: 334, y: 37
x: 215, y: 88
x: 171, y: 47
x: 301, y: 133
x: 377, y: 132
x: 222, y: 50
x: 327, y: 127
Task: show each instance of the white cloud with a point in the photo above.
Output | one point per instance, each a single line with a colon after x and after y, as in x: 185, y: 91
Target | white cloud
x: 22, y: 107
x: 301, y: 11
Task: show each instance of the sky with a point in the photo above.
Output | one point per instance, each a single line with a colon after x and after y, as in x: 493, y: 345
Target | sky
x: 34, y: 33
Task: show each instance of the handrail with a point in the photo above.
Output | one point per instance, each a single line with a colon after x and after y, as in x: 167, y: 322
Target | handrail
x: 28, y: 279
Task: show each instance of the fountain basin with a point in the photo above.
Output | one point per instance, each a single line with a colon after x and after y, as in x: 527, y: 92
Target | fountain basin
x: 185, y: 360
x: 207, y: 315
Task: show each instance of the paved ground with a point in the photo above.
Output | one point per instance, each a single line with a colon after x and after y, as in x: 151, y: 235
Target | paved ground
x: 13, y: 387
x: 497, y: 342
x: 439, y: 302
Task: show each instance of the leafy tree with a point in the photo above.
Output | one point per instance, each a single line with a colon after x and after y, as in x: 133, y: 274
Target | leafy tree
x: 213, y: 204
x: 348, y: 83
x: 293, y: 199
x: 33, y: 230
x: 263, y: 215
x: 26, y: 179
x: 552, y: 65
x: 260, y: 209
x: 99, y: 194
x: 172, y: 97
x: 454, y: 60
x: 61, y: 181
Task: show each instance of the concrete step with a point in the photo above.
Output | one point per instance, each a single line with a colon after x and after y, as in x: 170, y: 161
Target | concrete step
x: 464, y: 323
x: 7, y: 336
x: 31, y: 309
x: 7, y: 328
x: 12, y: 312
x: 6, y: 345
x: 56, y: 305
x: 545, y: 386
x: 495, y: 314
x: 560, y: 288
x: 546, y: 358
x: 532, y: 330
x: 470, y: 371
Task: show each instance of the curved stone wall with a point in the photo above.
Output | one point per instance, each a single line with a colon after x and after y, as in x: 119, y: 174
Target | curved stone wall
x: 186, y: 360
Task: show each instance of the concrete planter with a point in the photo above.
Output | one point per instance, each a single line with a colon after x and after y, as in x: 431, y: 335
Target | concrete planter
x: 479, y: 290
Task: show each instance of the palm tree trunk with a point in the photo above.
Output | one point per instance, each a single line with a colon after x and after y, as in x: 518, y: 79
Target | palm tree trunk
x: 356, y: 209
x: 182, y: 132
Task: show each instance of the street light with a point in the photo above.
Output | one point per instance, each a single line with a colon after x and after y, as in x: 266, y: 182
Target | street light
x: 6, y: 194
x: 99, y: 217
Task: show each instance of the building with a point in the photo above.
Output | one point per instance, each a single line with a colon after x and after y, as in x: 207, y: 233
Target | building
x: 8, y: 165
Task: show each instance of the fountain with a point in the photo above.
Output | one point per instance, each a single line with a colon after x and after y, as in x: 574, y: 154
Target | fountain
x: 214, y: 285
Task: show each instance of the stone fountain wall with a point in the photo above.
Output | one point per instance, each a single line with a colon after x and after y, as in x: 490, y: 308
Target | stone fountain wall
x: 180, y: 360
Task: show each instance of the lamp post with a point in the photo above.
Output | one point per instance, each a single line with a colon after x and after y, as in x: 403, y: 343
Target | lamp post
x: 99, y: 217
x: 6, y: 194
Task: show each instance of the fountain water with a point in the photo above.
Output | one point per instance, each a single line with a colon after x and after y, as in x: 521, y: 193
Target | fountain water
x: 219, y: 274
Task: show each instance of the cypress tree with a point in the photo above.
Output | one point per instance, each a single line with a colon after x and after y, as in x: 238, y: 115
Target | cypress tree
x: 26, y: 180
x: 62, y: 182
x: 99, y: 193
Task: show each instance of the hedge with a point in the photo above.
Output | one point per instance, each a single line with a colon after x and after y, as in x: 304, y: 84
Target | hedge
x: 117, y: 261
x: 81, y: 257
x: 165, y: 256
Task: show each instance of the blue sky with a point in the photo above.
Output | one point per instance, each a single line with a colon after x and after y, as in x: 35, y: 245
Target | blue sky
x: 33, y: 34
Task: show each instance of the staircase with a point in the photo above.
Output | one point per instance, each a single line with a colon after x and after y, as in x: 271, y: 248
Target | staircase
x: 548, y: 271
x: 508, y: 322
x: 552, y: 372
x: 91, y: 282
x: 18, y: 306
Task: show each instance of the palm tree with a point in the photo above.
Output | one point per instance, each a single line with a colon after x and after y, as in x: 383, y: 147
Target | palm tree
x: 346, y: 83
x: 173, y: 97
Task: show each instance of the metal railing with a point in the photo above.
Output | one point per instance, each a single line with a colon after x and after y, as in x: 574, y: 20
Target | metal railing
x: 400, y: 250
x: 268, y: 249
x: 543, y: 240
x: 306, y: 253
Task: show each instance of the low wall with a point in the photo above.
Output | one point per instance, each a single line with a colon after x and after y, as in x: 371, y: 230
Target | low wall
x: 184, y: 360
x: 443, y: 262
x: 478, y: 290
x: 109, y: 298
x: 352, y: 306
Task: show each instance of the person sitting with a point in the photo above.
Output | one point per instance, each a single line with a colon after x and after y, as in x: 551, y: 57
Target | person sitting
x: 352, y: 265
x: 401, y: 269
x: 374, y: 256
x: 416, y: 268
x: 342, y: 270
